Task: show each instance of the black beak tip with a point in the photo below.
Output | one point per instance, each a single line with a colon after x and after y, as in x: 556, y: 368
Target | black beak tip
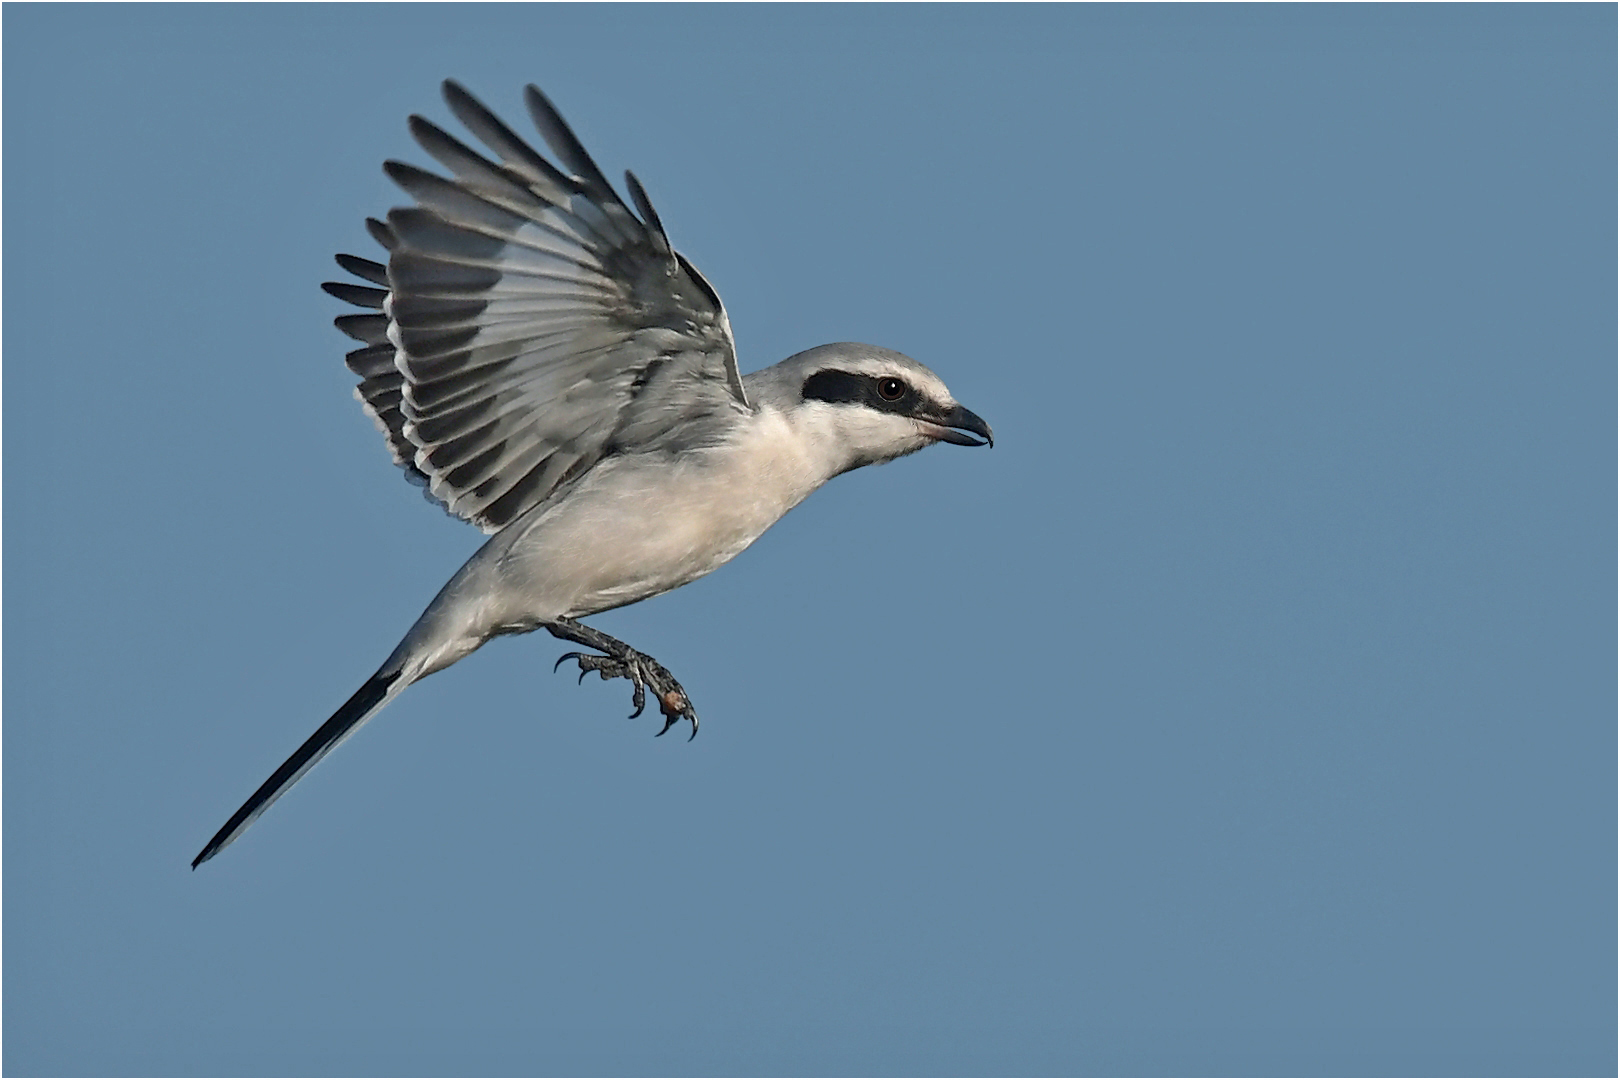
x: 968, y: 420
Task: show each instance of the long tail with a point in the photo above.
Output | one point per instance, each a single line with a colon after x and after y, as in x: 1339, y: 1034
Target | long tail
x: 377, y: 692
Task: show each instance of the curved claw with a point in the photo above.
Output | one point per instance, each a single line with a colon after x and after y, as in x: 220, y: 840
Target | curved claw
x: 685, y: 712
x: 622, y: 662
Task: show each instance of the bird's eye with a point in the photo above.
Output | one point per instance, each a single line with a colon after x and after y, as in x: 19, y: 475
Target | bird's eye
x: 891, y: 389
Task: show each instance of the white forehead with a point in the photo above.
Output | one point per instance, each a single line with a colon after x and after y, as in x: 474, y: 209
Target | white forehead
x: 873, y: 360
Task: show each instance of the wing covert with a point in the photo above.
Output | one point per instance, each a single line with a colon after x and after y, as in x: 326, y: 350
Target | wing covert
x: 527, y: 322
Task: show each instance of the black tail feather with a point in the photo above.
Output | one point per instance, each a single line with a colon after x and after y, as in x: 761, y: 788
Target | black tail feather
x: 343, y: 722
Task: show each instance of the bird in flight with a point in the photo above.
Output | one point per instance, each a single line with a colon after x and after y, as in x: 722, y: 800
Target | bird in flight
x: 545, y: 364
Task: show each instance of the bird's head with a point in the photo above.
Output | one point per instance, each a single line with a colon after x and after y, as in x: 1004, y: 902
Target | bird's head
x: 871, y: 405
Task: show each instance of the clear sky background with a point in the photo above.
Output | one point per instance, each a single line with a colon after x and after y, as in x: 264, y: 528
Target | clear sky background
x: 1250, y: 708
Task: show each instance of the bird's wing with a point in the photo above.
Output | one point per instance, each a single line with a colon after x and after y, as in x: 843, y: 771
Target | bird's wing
x: 527, y: 323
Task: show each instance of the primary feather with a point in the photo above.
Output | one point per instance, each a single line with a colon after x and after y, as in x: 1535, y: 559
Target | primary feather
x: 531, y: 322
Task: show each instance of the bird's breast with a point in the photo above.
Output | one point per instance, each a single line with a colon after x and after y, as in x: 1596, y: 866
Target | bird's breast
x: 640, y: 525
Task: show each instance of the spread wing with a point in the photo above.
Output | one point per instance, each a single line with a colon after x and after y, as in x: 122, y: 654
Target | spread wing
x: 527, y: 323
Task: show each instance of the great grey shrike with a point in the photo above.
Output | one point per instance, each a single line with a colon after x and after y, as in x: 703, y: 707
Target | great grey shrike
x: 542, y: 361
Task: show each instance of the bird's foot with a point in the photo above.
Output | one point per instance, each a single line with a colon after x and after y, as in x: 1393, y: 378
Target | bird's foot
x: 620, y: 661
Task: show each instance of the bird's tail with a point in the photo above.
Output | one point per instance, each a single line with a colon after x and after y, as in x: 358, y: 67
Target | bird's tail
x: 377, y: 692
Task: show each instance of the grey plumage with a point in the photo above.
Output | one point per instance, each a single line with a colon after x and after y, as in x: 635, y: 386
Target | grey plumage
x: 550, y: 369
x: 569, y: 305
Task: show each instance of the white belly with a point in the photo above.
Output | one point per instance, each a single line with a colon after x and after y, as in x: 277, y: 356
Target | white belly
x: 637, y: 527
x: 632, y: 528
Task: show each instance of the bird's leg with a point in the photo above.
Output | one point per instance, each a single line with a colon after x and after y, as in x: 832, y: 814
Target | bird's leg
x: 622, y: 662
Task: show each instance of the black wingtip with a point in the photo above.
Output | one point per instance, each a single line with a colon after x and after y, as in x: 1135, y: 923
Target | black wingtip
x: 381, y: 233
x: 564, y: 143
x: 644, y: 206
x: 464, y: 105
x: 403, y: 172
x: 535, y: 99
x: 367, y: 269
x: 358, y: 295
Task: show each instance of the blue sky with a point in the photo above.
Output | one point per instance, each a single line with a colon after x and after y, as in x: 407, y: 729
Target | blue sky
x: 1249, y: 709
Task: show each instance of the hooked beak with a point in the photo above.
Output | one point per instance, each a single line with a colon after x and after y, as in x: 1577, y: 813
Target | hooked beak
x: 952, y: 427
